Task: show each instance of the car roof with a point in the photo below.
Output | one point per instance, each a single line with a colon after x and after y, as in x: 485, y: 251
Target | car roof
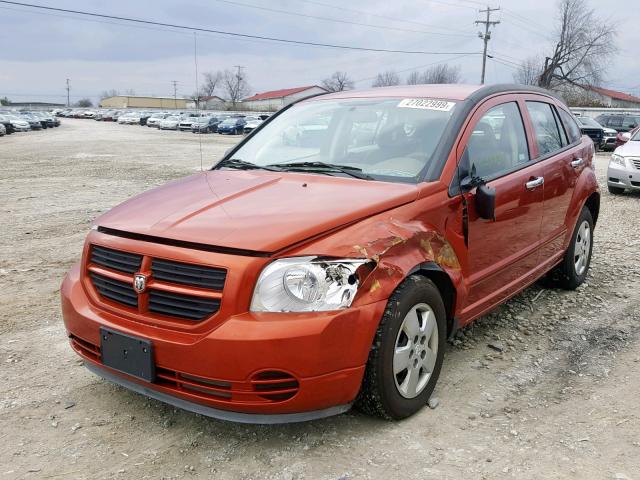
x: 459, y: 92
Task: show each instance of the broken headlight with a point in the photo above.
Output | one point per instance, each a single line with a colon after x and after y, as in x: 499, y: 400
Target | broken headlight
x: 306, y: 284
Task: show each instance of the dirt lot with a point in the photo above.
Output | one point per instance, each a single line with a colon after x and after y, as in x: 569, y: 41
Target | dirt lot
x: 559, y: 401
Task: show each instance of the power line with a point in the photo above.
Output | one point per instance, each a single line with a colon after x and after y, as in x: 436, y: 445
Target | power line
x: 233, y: 34
x: 328, y: 19
x: 486, y: 36
x: 342, y: 8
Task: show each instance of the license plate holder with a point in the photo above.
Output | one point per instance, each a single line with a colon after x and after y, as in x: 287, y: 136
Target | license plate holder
x: 127, y: 354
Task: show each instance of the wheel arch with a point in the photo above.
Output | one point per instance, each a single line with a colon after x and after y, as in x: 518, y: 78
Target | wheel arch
x: 593, y: 204
x: 446, y: 287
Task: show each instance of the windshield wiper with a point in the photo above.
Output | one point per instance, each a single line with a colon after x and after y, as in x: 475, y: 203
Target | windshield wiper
x: 322, y: 167
x: 238, y: 164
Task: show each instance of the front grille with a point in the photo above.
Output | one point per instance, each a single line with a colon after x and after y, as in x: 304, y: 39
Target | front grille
x: 187, y: 274
x: 115, y: 259
x: 182, y: 306
x: 635, y: 162
x: 115, y: 290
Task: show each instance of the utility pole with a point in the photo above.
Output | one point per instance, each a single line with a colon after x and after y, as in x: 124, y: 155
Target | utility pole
x: 237, y: 89
x: 486, y: 36
x: 175, y: 93
x: 68, y: 89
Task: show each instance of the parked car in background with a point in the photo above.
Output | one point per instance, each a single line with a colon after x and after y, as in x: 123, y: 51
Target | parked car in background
x: 624, y: 167
x: 34, y: 123
x: 232, y: 126
x: 623, y: 137
x: 591, y: 128
x: 170, y: 123
x: 609, y: 139
x: 293, y: 280
x: 19, y: 124
x: 251, y: 123
x: 6, y: 123
x: 186, y: 122
x: 205, y: 125
x: 154, y: 119
x: 619, y: 122
x: 3, y: 130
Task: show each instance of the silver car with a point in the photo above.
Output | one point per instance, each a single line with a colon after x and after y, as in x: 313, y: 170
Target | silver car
x: 624, y: 167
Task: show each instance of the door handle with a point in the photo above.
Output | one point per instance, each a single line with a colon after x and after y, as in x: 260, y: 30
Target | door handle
x: 536, y: 182
x: 577, y: 162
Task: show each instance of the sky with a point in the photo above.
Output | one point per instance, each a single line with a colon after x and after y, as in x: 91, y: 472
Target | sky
x: 39, y: 50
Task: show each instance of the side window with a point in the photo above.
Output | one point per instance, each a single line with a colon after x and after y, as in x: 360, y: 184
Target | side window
x: 614, y: 122
x: 563, y: 135
x: 498, y: 142
x: 546, y: 130
x: 570, y: 126
x: 630, y: 122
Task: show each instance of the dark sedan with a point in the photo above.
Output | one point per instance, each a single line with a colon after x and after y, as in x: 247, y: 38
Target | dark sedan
x: 205, y: 125
x: 232, y: 126
x: 7, y: 124
x: 588, y: 126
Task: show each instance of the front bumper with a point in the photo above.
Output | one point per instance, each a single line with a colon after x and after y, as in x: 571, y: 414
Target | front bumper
x: 623, y: 177
x: 323, y: 353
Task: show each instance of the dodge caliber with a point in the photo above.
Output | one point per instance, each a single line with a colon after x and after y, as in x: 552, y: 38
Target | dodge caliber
x: 324, y: 261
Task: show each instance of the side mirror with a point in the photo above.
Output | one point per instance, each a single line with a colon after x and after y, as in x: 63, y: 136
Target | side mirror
x: 486, y: 202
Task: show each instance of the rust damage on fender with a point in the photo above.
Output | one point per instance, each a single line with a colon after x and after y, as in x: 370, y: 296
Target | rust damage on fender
x: 398, y: 248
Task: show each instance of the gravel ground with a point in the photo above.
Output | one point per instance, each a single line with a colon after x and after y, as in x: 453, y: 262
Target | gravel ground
x: 547, y: 386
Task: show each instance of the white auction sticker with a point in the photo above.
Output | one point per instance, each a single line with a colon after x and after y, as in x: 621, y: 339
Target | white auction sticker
x: 427, y: 104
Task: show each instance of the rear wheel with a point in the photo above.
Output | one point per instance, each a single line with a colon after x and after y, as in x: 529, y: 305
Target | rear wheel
x: 615, y: 190
x: 407, y: 352
x: 572, y: 272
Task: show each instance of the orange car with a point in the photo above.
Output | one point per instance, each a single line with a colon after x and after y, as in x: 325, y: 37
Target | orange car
x: 324, y: 261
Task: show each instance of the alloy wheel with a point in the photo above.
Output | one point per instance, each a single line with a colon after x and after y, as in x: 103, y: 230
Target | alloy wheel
x: 416, y: 350
x: 582, y: 248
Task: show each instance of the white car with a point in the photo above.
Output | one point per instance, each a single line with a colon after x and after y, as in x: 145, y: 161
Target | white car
x: 252, y: 122
x: 624, y: 167
x: 155, y: 119
x: 19, y: 124
x: 170, y: 123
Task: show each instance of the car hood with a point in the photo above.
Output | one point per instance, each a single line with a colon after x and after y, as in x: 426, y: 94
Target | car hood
x: 253, y: 210
x: 630, y: 148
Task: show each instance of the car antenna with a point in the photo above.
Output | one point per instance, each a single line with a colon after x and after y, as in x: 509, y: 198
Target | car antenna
x: 195, y: 61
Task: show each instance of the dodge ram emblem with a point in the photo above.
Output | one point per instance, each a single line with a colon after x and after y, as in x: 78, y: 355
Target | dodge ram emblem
x: 139, y: 282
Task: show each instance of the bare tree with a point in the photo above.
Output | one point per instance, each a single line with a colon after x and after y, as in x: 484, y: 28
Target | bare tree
x: 130, y: 92
x: 109, y: 93
x: 212, y: 80
x: 437, y: 74
x: 235, y: 86
x: 529, y: 71
x: 84, y: 103
x: 337, y: 82
x: 386, y: 79
x: 583, y: 41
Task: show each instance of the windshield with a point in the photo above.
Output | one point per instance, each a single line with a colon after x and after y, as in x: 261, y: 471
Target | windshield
x: 173, y: 117
x: 229, y: 121
x: 588, y: 122
x: 636, y: 136
x: 388, y: 139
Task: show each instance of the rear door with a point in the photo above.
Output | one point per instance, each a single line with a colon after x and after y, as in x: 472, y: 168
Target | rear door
x: 502, y: 253
x: 558, y: 150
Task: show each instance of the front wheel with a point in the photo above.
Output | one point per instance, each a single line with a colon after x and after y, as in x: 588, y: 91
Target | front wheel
x: 407, y: 352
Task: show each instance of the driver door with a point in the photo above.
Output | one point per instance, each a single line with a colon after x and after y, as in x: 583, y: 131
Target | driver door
x: 502, y: 253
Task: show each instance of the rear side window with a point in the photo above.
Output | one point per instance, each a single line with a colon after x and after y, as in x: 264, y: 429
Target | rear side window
x: 570, y: 126
x: 563, y: 135
x: 498, y: 143
x: 614, y: 122
x: 630, y: 122
x: 546, y: 130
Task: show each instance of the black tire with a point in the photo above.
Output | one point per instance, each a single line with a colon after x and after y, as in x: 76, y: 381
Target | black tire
x: 565, y: 275
x: 379, y: 395
x: 615, y: 190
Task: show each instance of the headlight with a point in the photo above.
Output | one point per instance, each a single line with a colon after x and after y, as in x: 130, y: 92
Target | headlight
x: 618, y: 159
x: 306, y: 284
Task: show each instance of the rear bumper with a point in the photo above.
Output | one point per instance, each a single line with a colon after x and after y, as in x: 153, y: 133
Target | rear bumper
x: 323, y: 353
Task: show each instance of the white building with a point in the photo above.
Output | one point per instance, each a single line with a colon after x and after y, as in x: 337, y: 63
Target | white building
x: 611, y: 98
x: 276, y: 99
